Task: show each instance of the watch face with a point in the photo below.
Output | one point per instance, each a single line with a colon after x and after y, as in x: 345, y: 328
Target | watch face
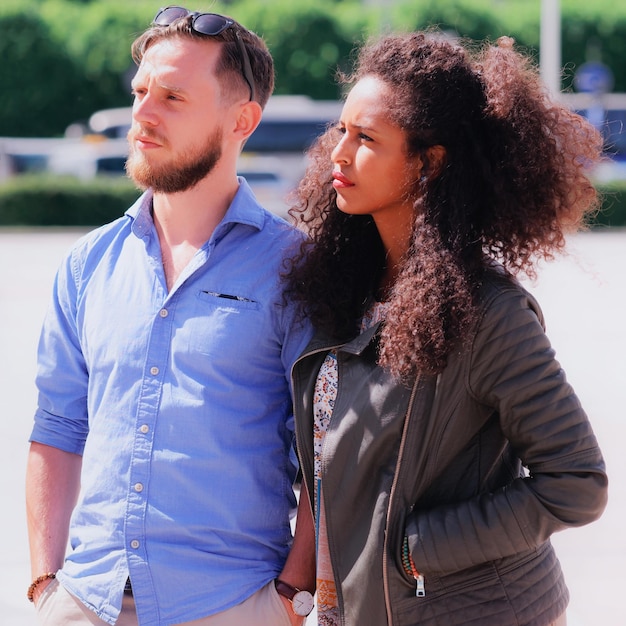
x: 302, y: 603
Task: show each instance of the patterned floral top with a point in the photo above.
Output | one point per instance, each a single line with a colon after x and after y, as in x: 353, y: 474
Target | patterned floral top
x: 323, y: 404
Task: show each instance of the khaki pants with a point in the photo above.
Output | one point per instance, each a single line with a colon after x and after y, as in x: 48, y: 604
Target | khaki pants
x: 57, y: 607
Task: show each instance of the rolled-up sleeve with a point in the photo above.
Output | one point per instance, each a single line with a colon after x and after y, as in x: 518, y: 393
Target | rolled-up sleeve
x: 62, y: 378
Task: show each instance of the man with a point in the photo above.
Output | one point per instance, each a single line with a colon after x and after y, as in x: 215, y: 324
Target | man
x: 162, y: 444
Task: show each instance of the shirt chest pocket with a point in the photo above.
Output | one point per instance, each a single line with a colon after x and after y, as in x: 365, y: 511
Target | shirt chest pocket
x: 222, y: 323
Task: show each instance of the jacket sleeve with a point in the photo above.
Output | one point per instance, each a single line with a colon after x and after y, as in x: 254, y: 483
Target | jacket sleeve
x: 512, y: 369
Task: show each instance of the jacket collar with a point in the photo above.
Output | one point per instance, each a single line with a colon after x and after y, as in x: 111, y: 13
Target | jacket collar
x: 323, y: 342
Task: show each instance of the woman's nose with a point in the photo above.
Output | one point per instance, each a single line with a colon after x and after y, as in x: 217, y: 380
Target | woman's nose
x: 340, y: 151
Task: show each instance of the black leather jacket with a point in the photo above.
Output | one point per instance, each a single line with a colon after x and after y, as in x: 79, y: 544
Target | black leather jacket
x: 477, y: 466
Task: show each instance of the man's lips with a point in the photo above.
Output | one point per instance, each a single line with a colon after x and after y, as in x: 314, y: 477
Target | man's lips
x: 144, y: 140
x: 340, y: 181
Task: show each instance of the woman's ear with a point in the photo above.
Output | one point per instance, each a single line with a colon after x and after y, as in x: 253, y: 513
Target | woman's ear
x: 434, y: 161
x: 248, y: 118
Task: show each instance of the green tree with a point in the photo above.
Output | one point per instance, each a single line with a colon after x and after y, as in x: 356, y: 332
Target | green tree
x: 64, y: 59
x: 309, y: 40
x: 40, y: 87
x: 307, y: 53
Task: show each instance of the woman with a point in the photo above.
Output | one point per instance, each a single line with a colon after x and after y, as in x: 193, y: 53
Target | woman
x: 440, y: 442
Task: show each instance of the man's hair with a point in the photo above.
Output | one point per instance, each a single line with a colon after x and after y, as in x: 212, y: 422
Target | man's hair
x: 229, y: 67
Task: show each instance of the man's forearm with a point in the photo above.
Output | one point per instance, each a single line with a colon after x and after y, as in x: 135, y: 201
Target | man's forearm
x: 299, y: 570
x: 52, y: 486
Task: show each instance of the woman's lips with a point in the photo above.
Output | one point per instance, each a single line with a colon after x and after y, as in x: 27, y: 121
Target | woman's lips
x: 340, y: 181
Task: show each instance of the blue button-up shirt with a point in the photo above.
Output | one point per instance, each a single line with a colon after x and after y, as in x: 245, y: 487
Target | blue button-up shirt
x: 179, y: 403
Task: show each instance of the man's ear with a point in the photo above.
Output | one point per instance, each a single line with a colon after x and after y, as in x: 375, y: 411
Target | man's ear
x: 248, y: 118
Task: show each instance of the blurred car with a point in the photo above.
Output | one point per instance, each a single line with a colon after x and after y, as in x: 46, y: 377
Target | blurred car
x: 26, y: 155
x: 607, y: 112
x: 264, y: 175
x: 273, y: 159
x: 89, y: 156
x: 107, y: 157
x: 289, y: 126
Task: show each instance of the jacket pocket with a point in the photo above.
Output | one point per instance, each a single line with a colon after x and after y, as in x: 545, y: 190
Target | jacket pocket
x: 475, y: 597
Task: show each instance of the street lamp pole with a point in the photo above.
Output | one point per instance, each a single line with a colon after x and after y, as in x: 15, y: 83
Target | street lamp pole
x: 550, y: 45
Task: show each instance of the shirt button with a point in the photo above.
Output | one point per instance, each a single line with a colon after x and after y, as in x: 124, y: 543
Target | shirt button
x: 134, y: 544
x: 154, y: 371
x: 163, y: 313
x: 144, y: 428
x: 138, y: 487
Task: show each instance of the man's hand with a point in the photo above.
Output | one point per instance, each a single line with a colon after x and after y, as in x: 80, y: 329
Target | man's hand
x: 299, y: 570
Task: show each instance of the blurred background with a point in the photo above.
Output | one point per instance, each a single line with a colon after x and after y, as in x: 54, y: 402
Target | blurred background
x: 66, y: 71
x: 65, y: 76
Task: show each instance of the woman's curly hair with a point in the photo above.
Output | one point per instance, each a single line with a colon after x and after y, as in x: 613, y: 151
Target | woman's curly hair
x: 514, y: 181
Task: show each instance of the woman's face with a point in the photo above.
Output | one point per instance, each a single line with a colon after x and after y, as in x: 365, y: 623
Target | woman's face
x: 372, y: 172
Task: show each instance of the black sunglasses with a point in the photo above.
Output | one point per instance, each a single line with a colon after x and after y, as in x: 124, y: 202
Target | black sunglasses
x: 210, y: 24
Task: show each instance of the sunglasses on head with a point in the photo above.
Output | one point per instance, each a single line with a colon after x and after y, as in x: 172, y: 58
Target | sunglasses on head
x: 210, y: 24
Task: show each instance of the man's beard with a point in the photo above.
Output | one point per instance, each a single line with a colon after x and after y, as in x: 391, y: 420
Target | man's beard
x: 179, y: 174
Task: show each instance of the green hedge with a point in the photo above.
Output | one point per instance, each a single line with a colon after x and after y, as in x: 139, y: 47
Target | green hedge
x: 32, y: 200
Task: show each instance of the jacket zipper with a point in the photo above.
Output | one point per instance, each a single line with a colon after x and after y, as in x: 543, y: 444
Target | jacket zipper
x: 419, y: 581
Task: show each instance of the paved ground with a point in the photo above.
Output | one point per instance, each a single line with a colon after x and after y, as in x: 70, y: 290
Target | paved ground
x: 584, y: 300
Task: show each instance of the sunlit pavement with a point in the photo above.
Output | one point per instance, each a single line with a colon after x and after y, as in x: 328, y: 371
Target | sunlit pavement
x: 583, y: 297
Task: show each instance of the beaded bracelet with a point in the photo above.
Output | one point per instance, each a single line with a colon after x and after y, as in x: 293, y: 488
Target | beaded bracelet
x: 37, y: 582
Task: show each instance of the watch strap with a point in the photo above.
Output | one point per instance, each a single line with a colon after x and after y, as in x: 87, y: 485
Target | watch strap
x: 285, y: 589
x: 301, y: 599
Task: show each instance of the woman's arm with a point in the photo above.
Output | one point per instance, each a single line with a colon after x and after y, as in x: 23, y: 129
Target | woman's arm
x: 512, y: 369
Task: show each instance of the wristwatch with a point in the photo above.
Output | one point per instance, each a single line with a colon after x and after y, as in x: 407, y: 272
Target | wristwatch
x: 301, y: 600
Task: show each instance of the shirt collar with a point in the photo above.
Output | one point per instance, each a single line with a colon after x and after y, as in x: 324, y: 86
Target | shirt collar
x: 244, y: 209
